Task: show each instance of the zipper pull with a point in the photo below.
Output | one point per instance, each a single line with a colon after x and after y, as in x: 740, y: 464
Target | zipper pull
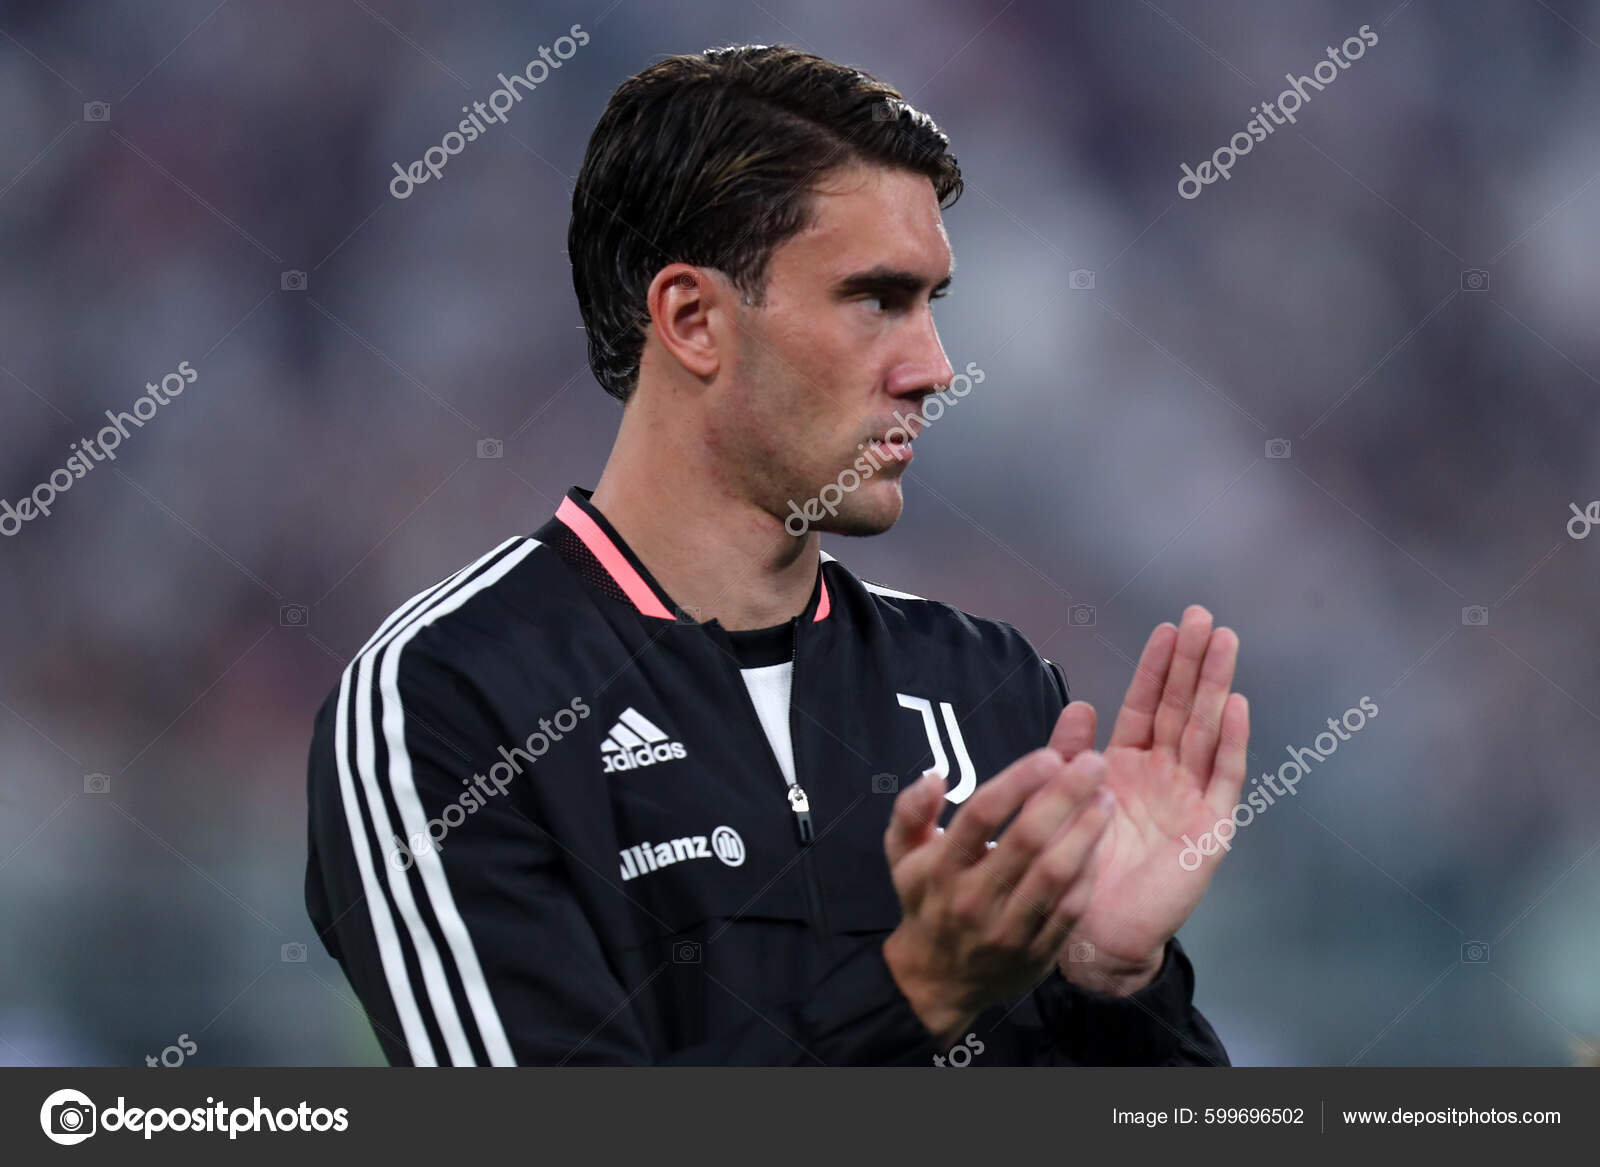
x: 801, y: 805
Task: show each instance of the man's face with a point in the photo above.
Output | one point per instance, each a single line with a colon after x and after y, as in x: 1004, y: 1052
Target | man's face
x: 844, y: 342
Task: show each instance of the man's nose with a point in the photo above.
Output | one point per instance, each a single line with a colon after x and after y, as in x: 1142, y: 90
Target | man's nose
x: 925, y: 368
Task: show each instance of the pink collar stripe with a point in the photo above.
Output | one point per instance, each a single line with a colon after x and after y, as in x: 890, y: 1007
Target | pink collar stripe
x: 630, y: 581
x: 620, y: 570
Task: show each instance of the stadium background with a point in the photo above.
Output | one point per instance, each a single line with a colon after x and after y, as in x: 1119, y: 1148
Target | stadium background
x: 175, y: 621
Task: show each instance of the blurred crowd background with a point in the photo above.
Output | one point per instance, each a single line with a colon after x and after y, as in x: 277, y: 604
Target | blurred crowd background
x: 1431, y: 894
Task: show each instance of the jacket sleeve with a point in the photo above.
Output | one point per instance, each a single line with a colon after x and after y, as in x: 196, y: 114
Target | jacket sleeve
x: 475, y: 950
x: 1059, y: 696
x: 1156, y: 1026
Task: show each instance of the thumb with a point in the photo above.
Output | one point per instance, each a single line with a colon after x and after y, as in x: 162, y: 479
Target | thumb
x: 1074, y: 731
x: 915, y: 817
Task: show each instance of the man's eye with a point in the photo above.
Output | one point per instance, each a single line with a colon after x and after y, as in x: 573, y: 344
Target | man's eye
x: 886, y: 302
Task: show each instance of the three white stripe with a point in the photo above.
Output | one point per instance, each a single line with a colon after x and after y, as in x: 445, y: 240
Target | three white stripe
x: 385, y: 648
x: 633, y: 729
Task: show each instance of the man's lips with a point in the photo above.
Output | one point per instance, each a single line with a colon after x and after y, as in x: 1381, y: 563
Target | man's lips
x: 887, y: 450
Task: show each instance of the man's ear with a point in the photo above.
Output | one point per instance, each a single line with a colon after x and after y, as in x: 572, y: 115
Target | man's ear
x: 682, y: 299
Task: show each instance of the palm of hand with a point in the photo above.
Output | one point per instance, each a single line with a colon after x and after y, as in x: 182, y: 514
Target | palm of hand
x: 1140, y: 886
x: 1175, y: 763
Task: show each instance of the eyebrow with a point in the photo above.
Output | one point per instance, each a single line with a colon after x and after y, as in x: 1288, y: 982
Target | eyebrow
x: 890, y: 279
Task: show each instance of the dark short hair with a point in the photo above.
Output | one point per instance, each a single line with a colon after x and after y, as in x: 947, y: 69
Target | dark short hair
x: 711, y: 159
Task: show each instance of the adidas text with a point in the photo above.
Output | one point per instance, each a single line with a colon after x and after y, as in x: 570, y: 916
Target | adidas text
x: 644, y: 756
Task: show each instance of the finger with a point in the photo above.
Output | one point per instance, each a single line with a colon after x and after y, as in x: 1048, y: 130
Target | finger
x: 1227, y: 775
x: 915, y: 815
x: 1034, y: 906
x: 1033, y: 830
x: 1197, y: 748
x: 1137, y: 718
x: 994, y: 802
x: 1071, y: 907
x: 1177, y: 698
x: 1074, y: 731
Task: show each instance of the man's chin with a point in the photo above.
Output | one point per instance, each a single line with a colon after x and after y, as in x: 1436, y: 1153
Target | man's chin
x: 866, y: 514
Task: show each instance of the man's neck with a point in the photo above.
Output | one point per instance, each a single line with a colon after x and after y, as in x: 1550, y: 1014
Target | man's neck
x: 718, y: 555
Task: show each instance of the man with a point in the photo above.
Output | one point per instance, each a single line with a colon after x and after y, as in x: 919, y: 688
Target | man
x: 637, y: 789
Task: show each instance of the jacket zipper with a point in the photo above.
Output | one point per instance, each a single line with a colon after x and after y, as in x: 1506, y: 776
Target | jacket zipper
x: 801, y: 805
x: 799, y: 802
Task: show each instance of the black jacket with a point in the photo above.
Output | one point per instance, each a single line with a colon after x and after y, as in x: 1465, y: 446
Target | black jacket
x: 617, y: 868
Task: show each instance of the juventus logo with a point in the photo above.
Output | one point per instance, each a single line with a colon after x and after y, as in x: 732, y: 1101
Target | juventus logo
x: 941, y: 762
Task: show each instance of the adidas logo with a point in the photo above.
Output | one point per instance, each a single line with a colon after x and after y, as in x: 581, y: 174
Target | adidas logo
x: 637, y: 741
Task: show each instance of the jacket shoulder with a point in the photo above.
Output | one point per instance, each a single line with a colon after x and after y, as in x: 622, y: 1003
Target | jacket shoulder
x: 450, y: 625
x: 917, y: 615
x: 971, y: 642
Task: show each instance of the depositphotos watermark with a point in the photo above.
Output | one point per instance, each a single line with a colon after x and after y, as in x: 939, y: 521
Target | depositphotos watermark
x: 480, y: 788
x: 500, y: 102
x: 87, y: 452
x: 1581, y: 521
x: 1257, y: 801
x: 961, y: 1054
x: 181, y: 1050
x: 1257, y: 128
x: 68, y: 1117
x: 906, y: 427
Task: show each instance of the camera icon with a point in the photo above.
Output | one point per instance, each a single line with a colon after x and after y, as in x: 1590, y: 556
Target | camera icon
x: 292, y: 281
x: 294, y: 615
x: 686, y: 952
x: 1081, y: 616
x: 1080, y: 279
x: 1277, y: 447
x: 885, y: 783
x: 1475, y: 952
x: 1474, y: 279
x: 292, y: 953
x: 1475, y: 614
x: 97, y: 783
x: 74, y: 1120
x: 96, y: 111
x: 1081, y: 953
x: 883, y: 112
x: 491, y: 448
